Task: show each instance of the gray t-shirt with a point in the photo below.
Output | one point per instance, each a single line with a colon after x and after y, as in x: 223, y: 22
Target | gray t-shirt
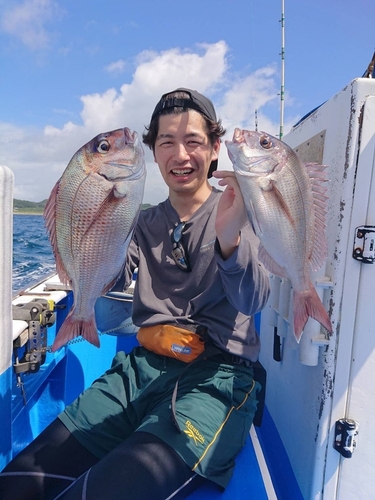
x: 222, y: 295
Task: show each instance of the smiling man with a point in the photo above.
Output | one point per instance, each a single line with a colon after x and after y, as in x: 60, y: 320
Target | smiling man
x: 176, y: 410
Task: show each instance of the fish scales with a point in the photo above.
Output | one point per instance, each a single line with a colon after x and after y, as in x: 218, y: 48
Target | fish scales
x: 286, y: 203
x: 90, y: 216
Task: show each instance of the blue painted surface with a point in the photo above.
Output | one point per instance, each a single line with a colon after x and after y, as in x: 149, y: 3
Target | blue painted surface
x: 278, y: 463
x: 246, y: 481
x: 85, y: 362
x: 45, y: 399
x: 257, y: 320
x: 6, y: 417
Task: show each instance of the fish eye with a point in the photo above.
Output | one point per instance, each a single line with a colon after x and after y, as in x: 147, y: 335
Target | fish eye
x: 265, y: 142
x: 103, y: 146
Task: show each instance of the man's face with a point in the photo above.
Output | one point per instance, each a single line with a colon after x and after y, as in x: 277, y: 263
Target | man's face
x: 183, y: 151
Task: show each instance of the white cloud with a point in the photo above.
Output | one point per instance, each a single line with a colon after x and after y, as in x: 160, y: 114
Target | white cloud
x: 38, y: 157
x: 28, y: 21
x: 248, y: 94
x: 176, y: 68
x: 116, y: 67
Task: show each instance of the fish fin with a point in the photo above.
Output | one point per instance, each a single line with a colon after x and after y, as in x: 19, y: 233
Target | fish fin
x: 308, y: 303
x: 269, y: 263
x: 252, y: 216
x: 121, y: 189
x: 127, y: 242
x: 283, y: 206
x: 112, y: 197
x: 72, y: 328
x: 50, y: 222
x: 318, y: 179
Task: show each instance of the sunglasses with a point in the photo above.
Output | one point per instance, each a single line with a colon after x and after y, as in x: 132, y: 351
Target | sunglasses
x: 179, y: 253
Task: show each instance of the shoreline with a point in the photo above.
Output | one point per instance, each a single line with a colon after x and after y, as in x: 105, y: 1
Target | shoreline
x: 18, y: 212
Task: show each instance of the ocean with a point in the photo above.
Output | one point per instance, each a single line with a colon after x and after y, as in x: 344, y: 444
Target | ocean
x: 33, y: 258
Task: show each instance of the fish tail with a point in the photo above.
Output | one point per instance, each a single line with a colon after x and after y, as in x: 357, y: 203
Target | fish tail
x: 72, y: 328
x: 308, y: 303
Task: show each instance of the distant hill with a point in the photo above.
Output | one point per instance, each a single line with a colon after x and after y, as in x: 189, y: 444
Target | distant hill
x: 29, y: 207
x: 37, y: 207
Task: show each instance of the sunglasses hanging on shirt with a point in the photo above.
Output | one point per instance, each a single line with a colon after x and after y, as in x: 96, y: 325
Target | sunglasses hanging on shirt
x: 179, y: 253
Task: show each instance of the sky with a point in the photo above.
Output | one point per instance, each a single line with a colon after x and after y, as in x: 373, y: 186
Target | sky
x: 70, y: 70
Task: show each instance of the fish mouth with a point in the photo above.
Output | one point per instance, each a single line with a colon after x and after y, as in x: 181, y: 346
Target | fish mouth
x: 134, y: 166
x: 252, y: 164
x: 237, y: 154
x: 238, y: 136
x: 130, y: 137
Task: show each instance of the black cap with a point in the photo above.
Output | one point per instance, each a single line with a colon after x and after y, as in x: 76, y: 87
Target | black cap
x: 197, y: 101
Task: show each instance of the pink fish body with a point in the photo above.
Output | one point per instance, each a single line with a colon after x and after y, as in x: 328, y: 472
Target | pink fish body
x: 286, y: 203
x: 90, y: 216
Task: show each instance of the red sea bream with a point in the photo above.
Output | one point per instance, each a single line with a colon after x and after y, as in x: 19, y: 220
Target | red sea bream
x: 286, y: 203
x: 90, y: 216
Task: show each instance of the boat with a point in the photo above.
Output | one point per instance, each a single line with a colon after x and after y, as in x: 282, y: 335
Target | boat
x: 316, y: 439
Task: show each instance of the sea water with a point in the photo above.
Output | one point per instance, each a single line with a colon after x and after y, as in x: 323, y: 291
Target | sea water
x: 33, y: 258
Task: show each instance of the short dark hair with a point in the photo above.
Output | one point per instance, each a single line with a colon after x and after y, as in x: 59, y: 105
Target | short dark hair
x: 180, y: 101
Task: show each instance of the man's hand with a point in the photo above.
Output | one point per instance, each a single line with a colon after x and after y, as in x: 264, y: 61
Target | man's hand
x: 231, y: 213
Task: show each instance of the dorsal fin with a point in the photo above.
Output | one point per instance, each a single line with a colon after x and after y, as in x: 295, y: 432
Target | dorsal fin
x: 318, y: 178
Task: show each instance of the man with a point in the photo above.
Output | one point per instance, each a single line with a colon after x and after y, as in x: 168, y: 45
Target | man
x: 176, y: 410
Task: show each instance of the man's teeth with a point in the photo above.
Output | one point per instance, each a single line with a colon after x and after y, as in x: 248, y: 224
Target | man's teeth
x: 184, y: 171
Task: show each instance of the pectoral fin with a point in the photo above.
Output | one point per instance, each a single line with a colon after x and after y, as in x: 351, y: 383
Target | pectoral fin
x: 251, y: 213
x: 121, y: 189
x: 280, y: 203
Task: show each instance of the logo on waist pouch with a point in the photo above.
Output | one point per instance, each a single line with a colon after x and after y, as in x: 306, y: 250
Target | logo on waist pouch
x: 181, y: 349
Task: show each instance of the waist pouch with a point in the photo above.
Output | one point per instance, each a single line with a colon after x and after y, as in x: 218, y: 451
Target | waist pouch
x: 173, y: 341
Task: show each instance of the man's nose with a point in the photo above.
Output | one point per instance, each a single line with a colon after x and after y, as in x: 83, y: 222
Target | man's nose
x: 181, y: 153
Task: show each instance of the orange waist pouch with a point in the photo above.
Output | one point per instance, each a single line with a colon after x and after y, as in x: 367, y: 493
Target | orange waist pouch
x: 170, y: 340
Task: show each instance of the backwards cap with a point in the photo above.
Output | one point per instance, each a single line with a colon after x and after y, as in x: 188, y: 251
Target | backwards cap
x: 197, y: 101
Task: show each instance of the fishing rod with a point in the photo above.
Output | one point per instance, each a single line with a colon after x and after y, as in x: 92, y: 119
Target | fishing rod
x: 282, y: 70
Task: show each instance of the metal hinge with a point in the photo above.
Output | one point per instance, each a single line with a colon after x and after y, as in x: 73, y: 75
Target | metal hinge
x: 30, y: 348
x: 364, y: 244
x: 346, y: 430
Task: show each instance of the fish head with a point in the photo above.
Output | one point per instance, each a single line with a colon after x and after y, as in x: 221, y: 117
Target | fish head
x: 115, y: 155
x: 256, y: 153
x: 115, y: 159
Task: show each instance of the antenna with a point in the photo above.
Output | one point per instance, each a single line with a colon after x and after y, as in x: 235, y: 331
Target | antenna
x: 282, y: 71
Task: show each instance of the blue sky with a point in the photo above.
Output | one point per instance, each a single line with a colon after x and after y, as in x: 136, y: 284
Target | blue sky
x: 72, y: 69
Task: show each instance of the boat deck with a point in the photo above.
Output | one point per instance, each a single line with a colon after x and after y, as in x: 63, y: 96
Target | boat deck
x: 67, y: 372
x: 250, y: 475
